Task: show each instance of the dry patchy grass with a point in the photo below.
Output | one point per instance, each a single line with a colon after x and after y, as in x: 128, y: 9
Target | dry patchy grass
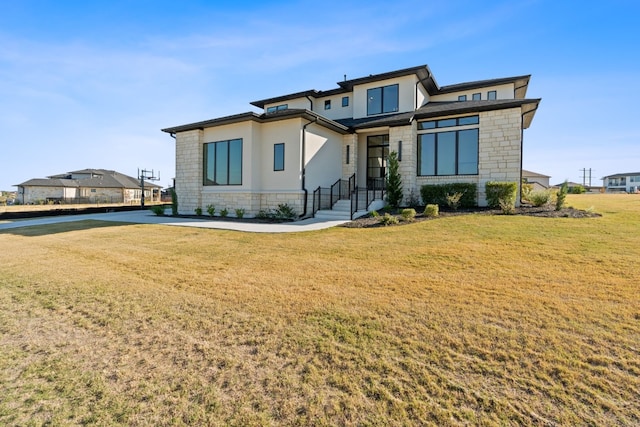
x: 467, y: 320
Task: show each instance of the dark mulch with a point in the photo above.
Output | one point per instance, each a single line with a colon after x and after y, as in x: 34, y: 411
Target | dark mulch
x: 546, y: 212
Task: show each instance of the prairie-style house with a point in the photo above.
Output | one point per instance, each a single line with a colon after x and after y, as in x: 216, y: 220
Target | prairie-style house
x: 315, y: 149
x: 87, y: 186
x: 628, y: 181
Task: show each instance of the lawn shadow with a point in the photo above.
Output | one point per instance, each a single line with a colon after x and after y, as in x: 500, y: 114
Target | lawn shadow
x: 61, y: 227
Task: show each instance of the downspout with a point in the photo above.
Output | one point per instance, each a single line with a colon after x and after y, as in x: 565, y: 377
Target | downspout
x: 310, y: 101
x: 304, y: 169
x: 522, y: 147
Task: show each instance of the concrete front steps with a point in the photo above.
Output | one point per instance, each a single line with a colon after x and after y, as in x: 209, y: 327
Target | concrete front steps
x: 342, y: 211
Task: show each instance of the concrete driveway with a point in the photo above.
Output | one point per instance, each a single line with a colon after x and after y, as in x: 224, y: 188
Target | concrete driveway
x: 147, y: 217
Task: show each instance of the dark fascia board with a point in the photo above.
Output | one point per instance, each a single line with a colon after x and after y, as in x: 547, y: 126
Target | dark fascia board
x: 521, y: 83
x: 423, y: 72
x: 307, y: 93
x: 262, y: 118
x: 622, y: 175
x: 440, y: 109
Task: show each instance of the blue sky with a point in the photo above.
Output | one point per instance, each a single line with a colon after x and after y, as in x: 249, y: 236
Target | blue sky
x: 89, y: 84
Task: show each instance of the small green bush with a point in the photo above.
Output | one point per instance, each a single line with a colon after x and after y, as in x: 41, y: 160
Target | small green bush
x: 198, y: 211
x: 265, y: 214
x: 224, y: 212
x: 577, y: 189
x: 375, y: 214
x: 561, y: 196
x: 174, y: 201
x: 158, y: 210
x: 211, y: 210
x: 496, y: 191
x: 431, y: 211
x: 388, y: 219
x: 453, y: 200
x: 437, y: 194
x: 284, y: 211
x: 240, y: 213
x: 408, y: 214
x: 539, y: 198
x: 413, y: 200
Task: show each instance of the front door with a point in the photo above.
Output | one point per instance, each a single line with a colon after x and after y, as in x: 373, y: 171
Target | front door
x: 377, y: 154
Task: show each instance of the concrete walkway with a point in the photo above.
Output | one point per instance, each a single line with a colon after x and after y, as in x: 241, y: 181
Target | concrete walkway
x: 147, y: 217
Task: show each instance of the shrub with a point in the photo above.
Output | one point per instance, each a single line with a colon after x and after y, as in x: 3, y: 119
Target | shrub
x: 408, y: 214
x: 497, y: 191
x: 577, y: 189
x: 198, y: 211
x: 240, y: 213
x: 431, y: 211
x: 539, y: 198
x: 174, y: 201
x: 158, y: 210
x: 375, y: 214
x: 526, y: 190
x: 453, y: 200
x: 393, y: 181
x: 211, y: 210
x: 561, y: 195
x: 224, y: 212
x: 265, y: 214
x: 437, y: 194
x: 508, y: 206
x: 284, y: 211
x: 412, y: 199
x: 388, y: 219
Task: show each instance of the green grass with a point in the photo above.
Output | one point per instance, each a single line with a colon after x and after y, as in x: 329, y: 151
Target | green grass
x: 466, y: 320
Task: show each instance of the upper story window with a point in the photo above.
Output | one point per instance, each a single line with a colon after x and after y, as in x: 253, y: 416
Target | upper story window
x: 492, y: 95
x: 223, y: 163
x: 277, y: 108
x: 382, y: 100
x: 345, y: 101
x: 327, y: 104
x: 462, y: 98
x: 477, y: 96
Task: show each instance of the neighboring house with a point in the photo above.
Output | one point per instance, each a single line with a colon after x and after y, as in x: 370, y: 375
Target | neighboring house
x: 86, y: 186
x: 629, y: 182
x: 305, y: 145
x: 537, y: 180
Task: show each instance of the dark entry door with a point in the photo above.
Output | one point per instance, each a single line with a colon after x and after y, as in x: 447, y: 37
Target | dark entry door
x: 377, y: 155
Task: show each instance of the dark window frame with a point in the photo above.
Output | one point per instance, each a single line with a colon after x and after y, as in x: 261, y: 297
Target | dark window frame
x: 462, y: 97
x: 492, y: 95
x: 345, y: 101
x: 327, y: 104
x: 210, y: 155
x: 276, y: 108
x: 434, y: 140
x: 382, y: 100
x: 476, y: 96
x: 278, y: 163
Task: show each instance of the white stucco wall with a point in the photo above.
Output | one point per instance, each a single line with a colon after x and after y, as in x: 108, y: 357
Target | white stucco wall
x: 406, y: 90
x: 505, y: 91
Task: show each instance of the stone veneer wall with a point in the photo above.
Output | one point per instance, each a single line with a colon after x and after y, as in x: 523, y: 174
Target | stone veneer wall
x: 499, y: 157
x: 189, y: 146
x: 251, y: 202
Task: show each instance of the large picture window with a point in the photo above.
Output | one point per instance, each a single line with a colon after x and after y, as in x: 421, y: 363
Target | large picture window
x: 454, y: 152
x: 382, y: 100
x: 223, y: 162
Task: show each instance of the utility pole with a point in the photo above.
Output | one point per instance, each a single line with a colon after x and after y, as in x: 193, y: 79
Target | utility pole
x: 584, y: 176
x: 146, y: 174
